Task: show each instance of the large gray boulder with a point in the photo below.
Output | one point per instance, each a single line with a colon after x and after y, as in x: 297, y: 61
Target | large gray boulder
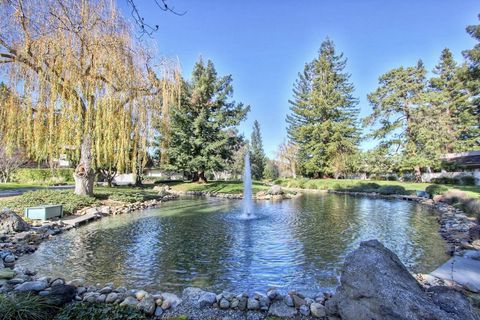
x: 11, y: 222
x: 374, y: 284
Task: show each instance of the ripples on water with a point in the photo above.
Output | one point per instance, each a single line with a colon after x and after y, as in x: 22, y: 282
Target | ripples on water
x: 298, y: 243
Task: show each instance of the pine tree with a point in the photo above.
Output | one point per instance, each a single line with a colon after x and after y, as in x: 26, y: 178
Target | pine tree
x: 395, y: 104
x: 257, y: 157
x: 471, y: 77
x: 323, y: 119
x: 201, y: 138
x: 449, y: 111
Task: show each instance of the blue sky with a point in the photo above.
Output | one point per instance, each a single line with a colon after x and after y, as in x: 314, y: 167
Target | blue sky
x: 264, y: 44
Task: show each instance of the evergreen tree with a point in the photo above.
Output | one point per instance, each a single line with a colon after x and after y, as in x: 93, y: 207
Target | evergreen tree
x: 201, y: 136
x: 395, y: 104
x: 446, y: 123
x: 257, y: 157
x: 323, y: 119
x: 471, y: 77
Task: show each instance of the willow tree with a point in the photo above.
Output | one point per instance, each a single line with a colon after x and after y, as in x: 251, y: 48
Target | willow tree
x: 89, y: 88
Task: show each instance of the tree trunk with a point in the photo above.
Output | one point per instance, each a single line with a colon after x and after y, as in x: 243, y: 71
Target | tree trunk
x: 199, y: 176
x: 418, y: 174
x: 84, y: 175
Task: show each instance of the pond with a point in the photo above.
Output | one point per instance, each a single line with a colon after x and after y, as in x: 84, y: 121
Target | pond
x: 295, y: 244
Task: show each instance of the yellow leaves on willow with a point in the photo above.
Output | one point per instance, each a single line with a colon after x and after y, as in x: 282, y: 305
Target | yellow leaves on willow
x: 77, y: 70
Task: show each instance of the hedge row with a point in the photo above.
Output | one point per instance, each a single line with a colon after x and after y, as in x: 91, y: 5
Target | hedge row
x: 43, y: 176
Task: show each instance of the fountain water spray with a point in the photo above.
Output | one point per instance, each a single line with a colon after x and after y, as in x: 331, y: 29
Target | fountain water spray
x: 247, y: 188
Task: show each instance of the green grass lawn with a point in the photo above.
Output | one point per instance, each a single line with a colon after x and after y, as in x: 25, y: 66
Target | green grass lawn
x: 232, y: 187
x: 332, y: 184
x: 14, y: 185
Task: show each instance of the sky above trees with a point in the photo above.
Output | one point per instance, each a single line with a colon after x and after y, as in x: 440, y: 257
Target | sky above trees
x: 264, y: 44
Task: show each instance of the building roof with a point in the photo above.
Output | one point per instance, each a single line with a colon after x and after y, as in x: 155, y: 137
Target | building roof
x: 469, y: 159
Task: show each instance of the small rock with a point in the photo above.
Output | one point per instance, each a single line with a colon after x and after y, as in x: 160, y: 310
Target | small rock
x: 101, y: 298
x: 158, y: 312
x: 206, y: 299
x: 318, y: 310
x: 253, y: 304
x: 105, y: 290
x: 9, y: 259
x: 31, y: 286
x: 272, y: 294
x: 6, y: 274
x: 81, y: 290
x: 147, y: 305
x: 57, y: 282
x: 129, y: 301
x: 289, y: 300
x: 297, y: 301
x: 280, y: 309
x: 224, y: 304
x: 304, y: 309
x: 77, y: 282
x: 111, y: 297
x: 166, y: 304
x: 173, y: 299
x: 140, y: 294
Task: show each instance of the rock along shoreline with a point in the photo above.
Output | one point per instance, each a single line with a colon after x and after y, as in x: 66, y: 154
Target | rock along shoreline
x: 459, y: 231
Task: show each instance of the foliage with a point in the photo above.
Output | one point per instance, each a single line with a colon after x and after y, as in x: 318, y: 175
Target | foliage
x: 230, y: 187
x: 454, y: 196
x: 25, y: 307
x: 363, y: 187
x: 271, y: 170
x: 10, y: 160
x: 100, y: 311
x: 43, y: 176
x: 323, y: 119
x: 435, y: 189
x: 126, y: 197
x: 389, y: 190
x: 93, y: 91
x: 257, y: 156
x: 471, y: 207
x: 467, y: 180
x: 70, y: 201
x: 445, y: 180
x: 202, y: 127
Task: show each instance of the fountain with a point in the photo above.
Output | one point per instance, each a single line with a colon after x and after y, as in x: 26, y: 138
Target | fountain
x: 247, y: 188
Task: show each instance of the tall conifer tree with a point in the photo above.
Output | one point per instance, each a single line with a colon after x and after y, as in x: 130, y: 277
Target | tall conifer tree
x: 323, y: 119
x: 258, y: 155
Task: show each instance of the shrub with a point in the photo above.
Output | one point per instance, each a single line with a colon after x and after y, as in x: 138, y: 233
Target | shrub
x: 453, y: 196
x: 70, y: 201
x: 471, y: 206
x: 392, y: 178
x: 90, y: 311
x: 28, y: 175
x: 445, y: 180
x: 25, y: 307
x: 467, y: 180
x: 387, y: 190
x: 435, y: 189
x: 365, y: 187
x: 126, y: 197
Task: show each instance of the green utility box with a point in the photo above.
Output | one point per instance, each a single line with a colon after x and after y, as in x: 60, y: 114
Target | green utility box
x: 44, y: 212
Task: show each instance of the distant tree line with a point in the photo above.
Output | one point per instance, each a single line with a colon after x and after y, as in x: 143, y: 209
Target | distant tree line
x: 415, y: 119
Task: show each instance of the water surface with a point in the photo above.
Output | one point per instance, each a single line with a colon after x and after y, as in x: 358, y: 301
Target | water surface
x: 299, y: 243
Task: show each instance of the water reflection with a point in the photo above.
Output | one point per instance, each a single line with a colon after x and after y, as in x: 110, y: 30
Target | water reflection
x: 201, y: 242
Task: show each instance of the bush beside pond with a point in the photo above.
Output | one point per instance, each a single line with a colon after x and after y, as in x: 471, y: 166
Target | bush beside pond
x: 70, y: 201
x: 435, y: 189
x: 25, y: 306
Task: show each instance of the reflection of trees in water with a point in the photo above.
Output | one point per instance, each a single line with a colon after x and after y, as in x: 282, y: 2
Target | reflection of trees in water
x: 325, y: 227
x: 194, y: 249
